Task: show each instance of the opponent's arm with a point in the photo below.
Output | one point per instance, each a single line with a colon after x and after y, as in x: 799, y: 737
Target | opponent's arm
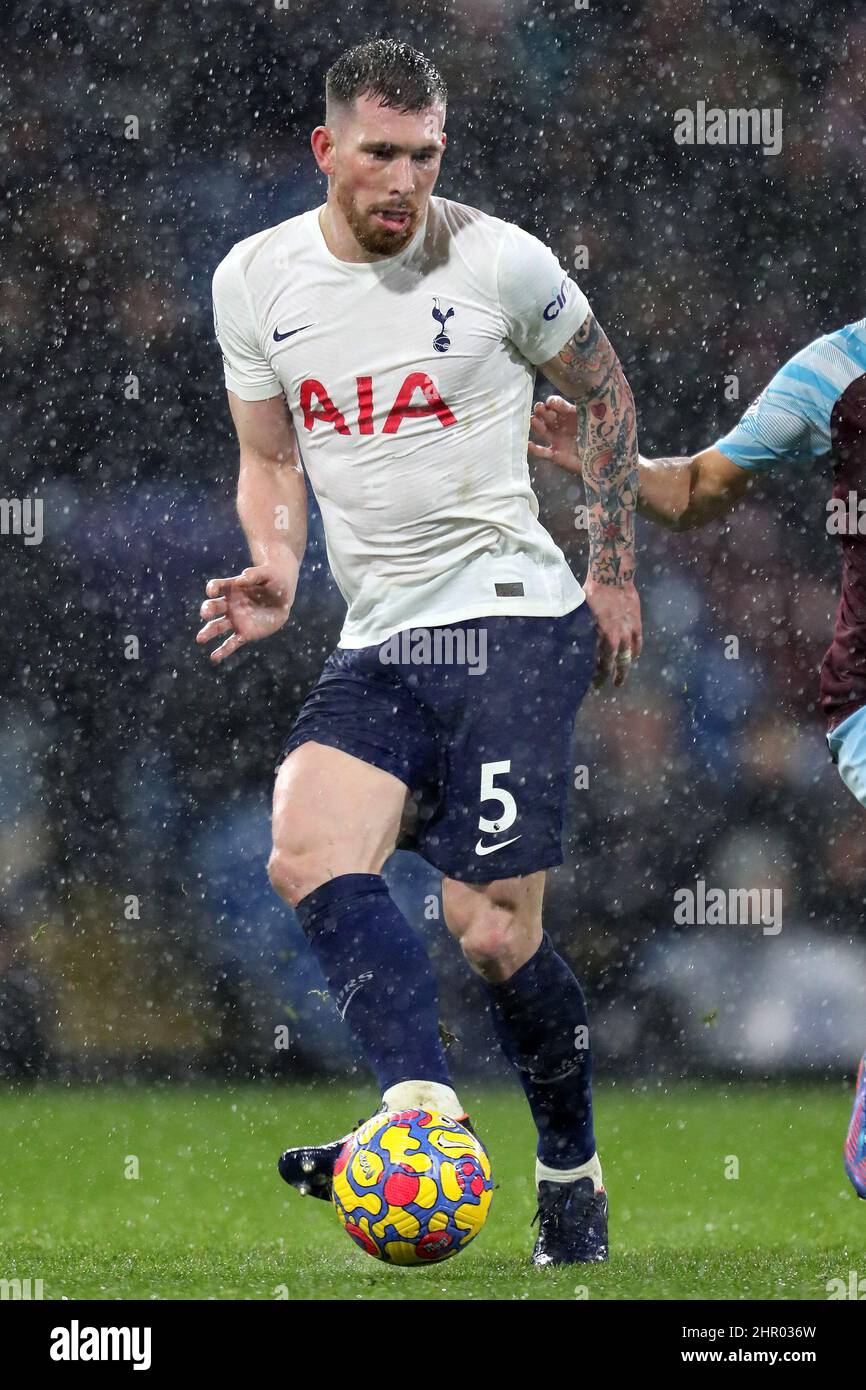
x: 272, y: 506
x: 679, y: 493
x: 588, y: 371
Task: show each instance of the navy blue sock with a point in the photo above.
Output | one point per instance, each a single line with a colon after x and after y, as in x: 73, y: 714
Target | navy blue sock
x: 542, y: 1025
x: 380, y: 977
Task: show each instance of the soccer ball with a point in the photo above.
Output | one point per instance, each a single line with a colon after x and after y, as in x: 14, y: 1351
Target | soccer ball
x: 412, y: 1187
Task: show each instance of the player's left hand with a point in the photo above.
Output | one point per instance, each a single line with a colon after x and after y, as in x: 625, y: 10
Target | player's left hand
x: 616, y: 608
x: 555, y: 422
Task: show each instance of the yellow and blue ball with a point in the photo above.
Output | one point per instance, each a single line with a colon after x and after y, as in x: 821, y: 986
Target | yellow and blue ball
x: 412, y: 1187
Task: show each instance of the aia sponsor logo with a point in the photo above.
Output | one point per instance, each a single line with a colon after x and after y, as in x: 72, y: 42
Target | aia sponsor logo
x: 417, y: 398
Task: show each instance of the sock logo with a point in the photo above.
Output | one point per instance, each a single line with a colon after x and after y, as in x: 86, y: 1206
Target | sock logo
x: 556, y: 1073
x: 349, y: 990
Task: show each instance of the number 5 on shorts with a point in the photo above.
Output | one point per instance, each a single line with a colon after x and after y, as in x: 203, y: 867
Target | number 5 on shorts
x: 491, y: 793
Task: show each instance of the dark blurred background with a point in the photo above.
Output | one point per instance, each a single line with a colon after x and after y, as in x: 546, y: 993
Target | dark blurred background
x: 138, y: 932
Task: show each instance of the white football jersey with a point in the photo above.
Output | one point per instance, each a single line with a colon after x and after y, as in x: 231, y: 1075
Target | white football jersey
x: 410, y: 384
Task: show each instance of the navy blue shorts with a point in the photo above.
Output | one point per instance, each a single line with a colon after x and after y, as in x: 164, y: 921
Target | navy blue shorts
x: 482, y: 741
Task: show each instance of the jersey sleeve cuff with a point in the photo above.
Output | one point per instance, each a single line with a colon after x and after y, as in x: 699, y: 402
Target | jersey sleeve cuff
x: 567, y: 323
x: 252, y: 393
x: 738, y: 454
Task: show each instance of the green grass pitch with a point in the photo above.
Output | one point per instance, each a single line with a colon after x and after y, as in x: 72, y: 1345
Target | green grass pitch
x: 208, y: 1216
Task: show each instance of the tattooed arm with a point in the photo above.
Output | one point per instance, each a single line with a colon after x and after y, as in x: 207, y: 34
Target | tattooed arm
x: 588, y: 371
x: 675, y: 492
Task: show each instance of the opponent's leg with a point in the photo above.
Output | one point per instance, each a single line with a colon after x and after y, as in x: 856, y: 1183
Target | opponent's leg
x: 847, y: 744
x: 855, y: 1141
x: 540, y: 1018
x: 335, y: 822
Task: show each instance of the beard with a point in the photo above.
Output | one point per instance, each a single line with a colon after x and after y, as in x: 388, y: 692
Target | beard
x: 378, y: 240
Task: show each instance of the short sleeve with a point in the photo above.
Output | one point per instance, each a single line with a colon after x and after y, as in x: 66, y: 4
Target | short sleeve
x: 247, y: 371
x: 541, y: 304
x: 789, y: 422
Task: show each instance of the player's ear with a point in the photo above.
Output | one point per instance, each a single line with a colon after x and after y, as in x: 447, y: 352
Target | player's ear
x: 322, y: 145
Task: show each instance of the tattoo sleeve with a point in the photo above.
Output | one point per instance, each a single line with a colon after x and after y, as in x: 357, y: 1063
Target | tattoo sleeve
x: 588, y: 370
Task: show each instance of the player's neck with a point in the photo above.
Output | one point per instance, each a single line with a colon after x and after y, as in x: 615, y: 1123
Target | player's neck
x: 341, y: 240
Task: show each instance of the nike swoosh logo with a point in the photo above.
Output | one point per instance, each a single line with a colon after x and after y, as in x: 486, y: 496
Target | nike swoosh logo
x: 491, y: 849
x: 280, y: 337
x: 359, y: 985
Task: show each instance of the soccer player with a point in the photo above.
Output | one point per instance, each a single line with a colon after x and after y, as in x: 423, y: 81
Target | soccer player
x: 391, y: 338
x: 814, y: 409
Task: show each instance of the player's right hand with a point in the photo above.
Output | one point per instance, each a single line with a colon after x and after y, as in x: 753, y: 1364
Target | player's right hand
x: 250, y: 605
x: 555, y: 421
